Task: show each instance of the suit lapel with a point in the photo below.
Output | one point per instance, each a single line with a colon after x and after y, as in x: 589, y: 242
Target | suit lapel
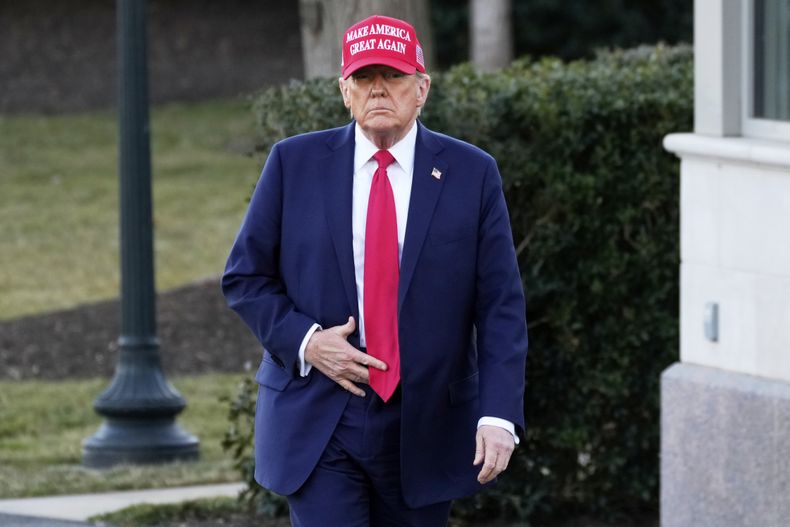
x: 338, y: 176
x: 425, y: 190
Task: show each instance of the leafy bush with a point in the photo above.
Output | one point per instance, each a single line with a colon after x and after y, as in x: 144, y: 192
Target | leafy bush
x: 594, y: 211
x: 238, y: 441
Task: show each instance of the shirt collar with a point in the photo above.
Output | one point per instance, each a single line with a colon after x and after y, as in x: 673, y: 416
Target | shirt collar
x: 402, y: 151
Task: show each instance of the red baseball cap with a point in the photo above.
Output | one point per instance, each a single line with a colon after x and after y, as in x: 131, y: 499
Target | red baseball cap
x: 382, y: 40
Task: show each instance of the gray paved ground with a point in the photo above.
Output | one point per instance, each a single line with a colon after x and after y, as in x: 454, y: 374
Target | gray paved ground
x: 12, y: 520
x: 73, y: 509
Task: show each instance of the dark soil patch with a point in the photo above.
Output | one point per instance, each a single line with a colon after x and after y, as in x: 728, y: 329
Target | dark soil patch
x: 198, y: 333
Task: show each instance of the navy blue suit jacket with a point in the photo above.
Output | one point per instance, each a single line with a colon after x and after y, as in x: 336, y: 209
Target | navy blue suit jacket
x: 461, y: 314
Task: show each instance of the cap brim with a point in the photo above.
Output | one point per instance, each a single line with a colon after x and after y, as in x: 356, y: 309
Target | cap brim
x: 400, y: 65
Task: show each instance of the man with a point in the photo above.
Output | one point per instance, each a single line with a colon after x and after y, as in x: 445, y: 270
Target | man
x: 376, y: 266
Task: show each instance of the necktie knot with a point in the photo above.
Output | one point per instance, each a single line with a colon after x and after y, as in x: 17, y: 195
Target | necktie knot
x: 383, y: 158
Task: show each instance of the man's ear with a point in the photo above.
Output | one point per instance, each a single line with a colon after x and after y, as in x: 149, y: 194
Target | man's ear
x: 344, y: 91
x: 423, y: 87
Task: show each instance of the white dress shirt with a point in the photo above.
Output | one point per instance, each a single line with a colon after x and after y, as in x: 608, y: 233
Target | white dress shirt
x: 400, y: 174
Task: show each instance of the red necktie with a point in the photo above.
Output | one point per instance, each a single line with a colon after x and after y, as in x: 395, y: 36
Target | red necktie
x: 381, y: 280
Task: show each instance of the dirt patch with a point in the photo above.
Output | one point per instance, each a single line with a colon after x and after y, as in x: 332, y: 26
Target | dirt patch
x: 197, y: 333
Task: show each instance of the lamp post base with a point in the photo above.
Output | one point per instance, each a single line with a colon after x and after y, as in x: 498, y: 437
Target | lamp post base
x: 140, y: 409
x: 137, y: 441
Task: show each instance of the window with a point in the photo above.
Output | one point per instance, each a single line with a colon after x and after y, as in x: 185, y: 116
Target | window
x: 772, y: 59
x: 767, y: 71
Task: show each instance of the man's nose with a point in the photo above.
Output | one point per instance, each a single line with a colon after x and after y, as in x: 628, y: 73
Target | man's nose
x: 378, y: 87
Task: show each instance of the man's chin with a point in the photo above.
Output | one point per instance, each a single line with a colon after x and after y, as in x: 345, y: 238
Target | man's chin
x: 379, y: 126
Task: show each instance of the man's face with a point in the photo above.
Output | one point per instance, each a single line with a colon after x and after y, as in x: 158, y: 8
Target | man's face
x: 384, y: 101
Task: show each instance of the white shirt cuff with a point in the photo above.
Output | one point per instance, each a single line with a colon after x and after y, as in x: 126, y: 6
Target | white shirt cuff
x: 304, y: 367
x: 501, y: 423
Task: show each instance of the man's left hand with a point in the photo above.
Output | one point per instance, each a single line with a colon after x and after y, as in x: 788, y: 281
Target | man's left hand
x: 494, y: 447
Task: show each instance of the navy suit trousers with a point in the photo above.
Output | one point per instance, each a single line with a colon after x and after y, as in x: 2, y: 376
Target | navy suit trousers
x: 357, y: 480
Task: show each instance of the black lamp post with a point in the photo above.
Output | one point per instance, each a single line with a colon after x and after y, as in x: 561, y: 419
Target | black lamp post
x: 139, y: 406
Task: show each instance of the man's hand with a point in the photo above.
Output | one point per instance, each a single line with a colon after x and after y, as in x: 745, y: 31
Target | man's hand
x: 494, y: 448
x: 330, y: 352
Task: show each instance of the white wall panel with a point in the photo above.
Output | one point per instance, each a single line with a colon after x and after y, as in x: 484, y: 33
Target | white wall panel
x: 735, y: 215
x: 754, y: 320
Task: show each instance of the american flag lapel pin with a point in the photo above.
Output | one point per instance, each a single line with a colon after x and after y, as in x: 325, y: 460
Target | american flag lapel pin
x: 436, y: 173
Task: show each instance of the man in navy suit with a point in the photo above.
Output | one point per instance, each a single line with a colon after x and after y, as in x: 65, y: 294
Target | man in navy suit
x: 376, y: 266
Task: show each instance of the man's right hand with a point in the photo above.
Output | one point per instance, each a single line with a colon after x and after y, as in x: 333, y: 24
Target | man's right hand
x: 329, y: 351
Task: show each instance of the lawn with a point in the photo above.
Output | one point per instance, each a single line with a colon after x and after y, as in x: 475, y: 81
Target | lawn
x: 59, y: 200
x: 42, y: 425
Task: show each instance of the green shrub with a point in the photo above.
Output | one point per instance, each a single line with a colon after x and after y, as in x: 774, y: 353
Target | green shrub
x: 594, y: 210
x: 238, y: 441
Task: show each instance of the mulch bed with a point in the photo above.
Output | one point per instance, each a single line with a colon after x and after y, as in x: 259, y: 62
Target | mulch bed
x: 197, y: 334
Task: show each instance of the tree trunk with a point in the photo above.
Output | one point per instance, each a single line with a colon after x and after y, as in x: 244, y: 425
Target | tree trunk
x: 324, y: 21
x: 492, y: 33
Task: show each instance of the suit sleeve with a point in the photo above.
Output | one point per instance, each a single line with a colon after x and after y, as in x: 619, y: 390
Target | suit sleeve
x: 252, y: 282
x: 500, y: 316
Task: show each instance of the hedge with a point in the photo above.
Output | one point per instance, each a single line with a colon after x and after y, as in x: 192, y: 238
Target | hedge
x: 594, y: 210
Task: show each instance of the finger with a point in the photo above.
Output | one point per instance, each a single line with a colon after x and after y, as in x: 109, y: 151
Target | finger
x: 478, y: 449
x: 348, y: 328
x: 356, y: 373
x: 489, y: 465
x: 502, y: 458
x: 502, y: 461
x: 351, y: 387
x: 503, y: 447
x: 368, y: 360
x: 486, y: 474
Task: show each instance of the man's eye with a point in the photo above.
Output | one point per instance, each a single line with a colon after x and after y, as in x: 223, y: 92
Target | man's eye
x: 394, y: 75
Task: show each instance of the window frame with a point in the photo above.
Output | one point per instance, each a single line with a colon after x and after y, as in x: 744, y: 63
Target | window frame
x: 751, y: 126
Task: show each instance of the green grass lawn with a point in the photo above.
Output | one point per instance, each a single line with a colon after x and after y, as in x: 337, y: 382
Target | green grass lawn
x: 59, y: 200
x: 42, y: 425
x: 180, y: 513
